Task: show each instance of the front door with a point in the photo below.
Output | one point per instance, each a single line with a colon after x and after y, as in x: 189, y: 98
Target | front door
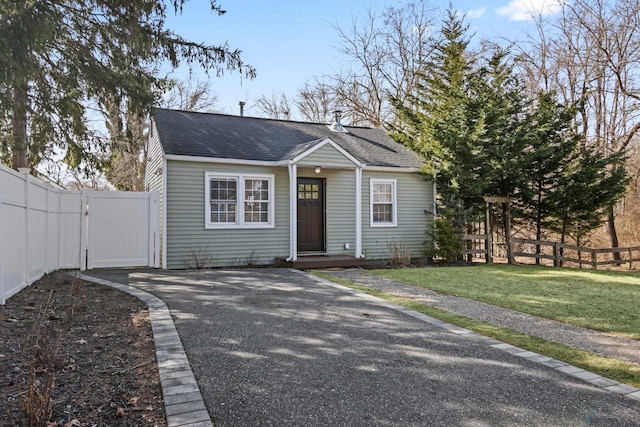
x: 311, y: 215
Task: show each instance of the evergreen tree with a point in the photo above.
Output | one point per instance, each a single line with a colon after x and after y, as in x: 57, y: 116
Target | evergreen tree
x: 552, y: 146
x: 591, y: 184
x: 435, y: 123
x: 480, y: 135
x: 58, y: 58
x: 498, y: 107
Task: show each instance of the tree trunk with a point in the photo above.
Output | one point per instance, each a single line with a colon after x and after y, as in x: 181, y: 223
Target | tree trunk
x: 611, y: 224
x: 19, y: 142
x: 538, y: 230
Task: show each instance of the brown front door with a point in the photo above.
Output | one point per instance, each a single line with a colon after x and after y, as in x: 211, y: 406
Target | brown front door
x: 311, y: 215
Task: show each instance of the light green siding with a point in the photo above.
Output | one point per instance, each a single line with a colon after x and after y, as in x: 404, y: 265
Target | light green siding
x: 341, y: 211
x: 153, y: 177
x: 153, y: 169
x: 414, y: 195
x: 326, y: 156
x: 187, y: 236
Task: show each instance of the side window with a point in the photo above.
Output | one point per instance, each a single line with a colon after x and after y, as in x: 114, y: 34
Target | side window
x: 256, y: 201
x: 383, y: 203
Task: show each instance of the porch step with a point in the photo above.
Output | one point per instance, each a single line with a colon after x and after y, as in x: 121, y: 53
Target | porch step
x: 303, y: 263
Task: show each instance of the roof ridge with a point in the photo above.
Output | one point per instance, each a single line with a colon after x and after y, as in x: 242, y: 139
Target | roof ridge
x: 261, y: 118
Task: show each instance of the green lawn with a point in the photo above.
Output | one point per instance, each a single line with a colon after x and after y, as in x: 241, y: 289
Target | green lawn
x: 603, y: 301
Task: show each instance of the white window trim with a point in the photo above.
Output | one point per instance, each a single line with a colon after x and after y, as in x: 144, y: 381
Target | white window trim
x: 240, y: 223
x: 394, y: 206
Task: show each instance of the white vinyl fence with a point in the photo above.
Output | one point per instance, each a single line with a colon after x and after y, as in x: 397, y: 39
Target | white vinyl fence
x: 43, y: 229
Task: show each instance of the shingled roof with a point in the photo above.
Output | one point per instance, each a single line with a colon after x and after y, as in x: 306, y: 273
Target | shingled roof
x: 223, y: 136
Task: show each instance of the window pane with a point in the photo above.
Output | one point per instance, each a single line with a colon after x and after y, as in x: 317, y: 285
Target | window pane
x: 256, y: 189
x: 382, y: 213
x: 382, y: 193
x: 223, y: 212
x: 223, y: 200
x: 256, y: 205
x: 256, y: 212
x: 223, y: 189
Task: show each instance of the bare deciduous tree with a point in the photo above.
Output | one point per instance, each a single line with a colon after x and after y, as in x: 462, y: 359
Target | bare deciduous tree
x: 276, y: 107
x: 190, y: 96
x: 386, y: 54
x: 383, y: 53
x: 590, y: 54
x: 125, y: 162
x: 316, y: 101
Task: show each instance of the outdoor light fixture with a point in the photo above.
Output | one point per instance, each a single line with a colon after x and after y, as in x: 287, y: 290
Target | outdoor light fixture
x: 318, y: 169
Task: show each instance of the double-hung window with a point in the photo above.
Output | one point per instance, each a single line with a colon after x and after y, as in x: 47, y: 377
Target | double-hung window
x: 383, y: 203
x: 234, y: 201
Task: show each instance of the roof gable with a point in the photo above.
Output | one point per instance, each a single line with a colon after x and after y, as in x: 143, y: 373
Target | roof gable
x: 222, y: 136
x: 310, y: 152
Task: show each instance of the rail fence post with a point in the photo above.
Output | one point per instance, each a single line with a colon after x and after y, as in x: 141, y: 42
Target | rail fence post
x: 556, y: 261
x: 489, y: 230
x: 594, y: 259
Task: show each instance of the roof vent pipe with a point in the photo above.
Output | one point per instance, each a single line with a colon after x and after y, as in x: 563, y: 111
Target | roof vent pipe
x: 241, y: 108
x: 336, y: 126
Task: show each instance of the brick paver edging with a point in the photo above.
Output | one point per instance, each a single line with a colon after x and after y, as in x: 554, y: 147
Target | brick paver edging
x: 574, y: 371
x: 183, y: 402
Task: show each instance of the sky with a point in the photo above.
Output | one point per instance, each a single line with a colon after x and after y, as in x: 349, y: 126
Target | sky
x: 289, y: 42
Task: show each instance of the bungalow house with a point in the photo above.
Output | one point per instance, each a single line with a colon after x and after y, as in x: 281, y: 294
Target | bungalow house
x: 239, y: 190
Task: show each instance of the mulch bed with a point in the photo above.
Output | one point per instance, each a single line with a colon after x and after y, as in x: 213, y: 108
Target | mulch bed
x: 73, y: 354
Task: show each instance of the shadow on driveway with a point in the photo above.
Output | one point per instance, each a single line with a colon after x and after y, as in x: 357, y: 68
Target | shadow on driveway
x: 272, y: 347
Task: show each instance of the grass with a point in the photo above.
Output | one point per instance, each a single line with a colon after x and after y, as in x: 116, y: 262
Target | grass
x: 614, y: 369
x: 599, y: 300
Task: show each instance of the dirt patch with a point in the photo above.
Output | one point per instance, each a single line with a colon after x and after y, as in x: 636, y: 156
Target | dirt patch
x: 73, y: 353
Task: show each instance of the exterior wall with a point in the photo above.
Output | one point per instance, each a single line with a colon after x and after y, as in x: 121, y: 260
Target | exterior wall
x: 324, y: 156
x: 186, y: 233
x: 153, y: 179
x: 414, y: 195
x: 153, y: 171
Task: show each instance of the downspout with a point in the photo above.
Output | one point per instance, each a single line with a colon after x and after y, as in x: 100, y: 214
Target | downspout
x: 435, y: 201
x: 358, y: 253
x: 293, y: 230
x: 435, y: 213
x: 164, y: 213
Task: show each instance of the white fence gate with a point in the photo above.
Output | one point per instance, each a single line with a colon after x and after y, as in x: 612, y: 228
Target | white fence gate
x: 121, y: 229
x: 43, y: 229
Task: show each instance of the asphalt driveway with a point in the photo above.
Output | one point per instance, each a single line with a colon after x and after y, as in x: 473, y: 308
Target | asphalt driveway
x: 273, y: 347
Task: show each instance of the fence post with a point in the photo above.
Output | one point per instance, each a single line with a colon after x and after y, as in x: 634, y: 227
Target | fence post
x: 489, y: 232
x: 507, y: 232
x: 594, y: 259
x: 556, y: 256
x: 630, y: 268
x: 25, y: 174
x: 84, y: 227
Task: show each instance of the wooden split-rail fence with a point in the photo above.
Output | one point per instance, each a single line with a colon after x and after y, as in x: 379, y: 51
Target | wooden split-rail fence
x: 540, y: 252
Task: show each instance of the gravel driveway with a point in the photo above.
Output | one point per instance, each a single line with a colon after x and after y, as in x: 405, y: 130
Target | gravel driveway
x: 274, y: 347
